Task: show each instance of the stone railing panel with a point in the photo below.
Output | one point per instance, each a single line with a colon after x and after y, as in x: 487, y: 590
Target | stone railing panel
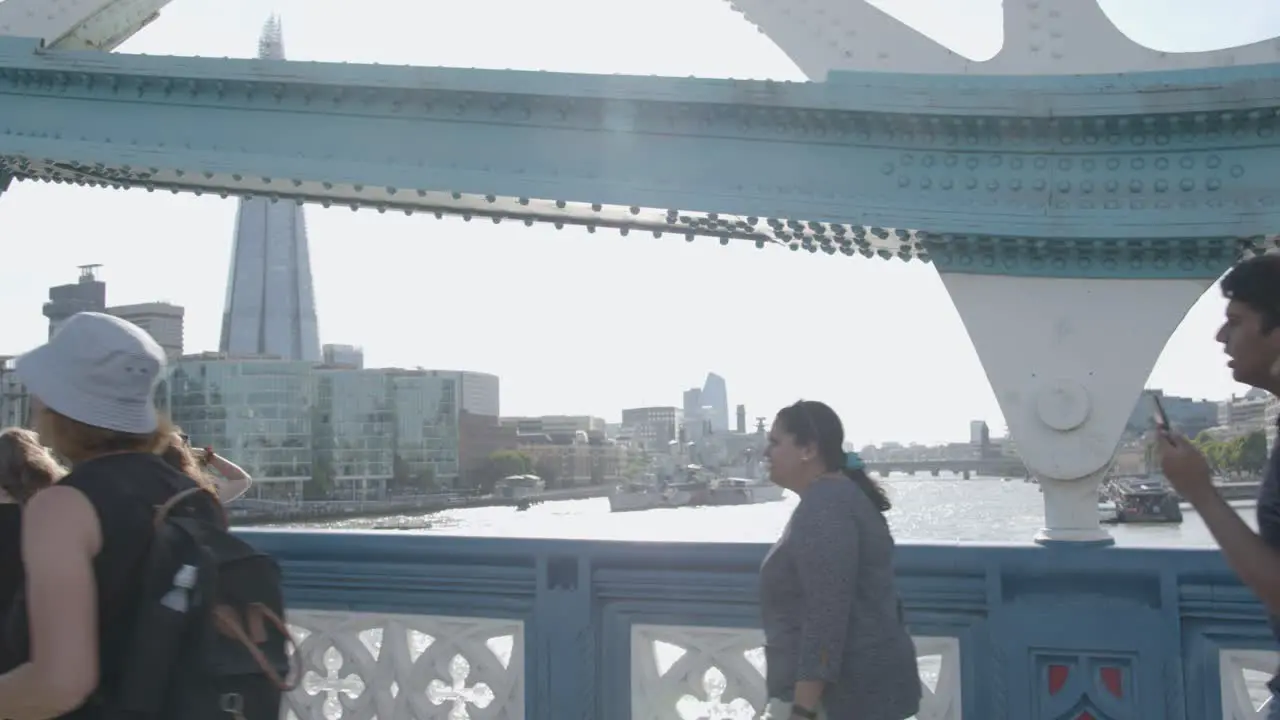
x: 1244, y: 674
x: 413, y: 627
x: 371, y: 666
x: 695, y: 673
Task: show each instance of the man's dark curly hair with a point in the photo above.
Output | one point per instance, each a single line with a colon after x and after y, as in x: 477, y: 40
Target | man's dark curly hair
x: 1256, y: 283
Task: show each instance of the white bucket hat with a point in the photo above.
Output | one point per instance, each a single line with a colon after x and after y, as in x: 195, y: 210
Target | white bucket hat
x: 99, y: 370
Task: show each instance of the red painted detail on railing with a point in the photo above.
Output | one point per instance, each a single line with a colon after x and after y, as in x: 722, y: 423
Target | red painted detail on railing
x: 1057, y: 677
x: 1111, y: 681
x: 1086, y: 715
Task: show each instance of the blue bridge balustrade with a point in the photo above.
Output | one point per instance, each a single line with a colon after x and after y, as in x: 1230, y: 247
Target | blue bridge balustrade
x: 411, y: 626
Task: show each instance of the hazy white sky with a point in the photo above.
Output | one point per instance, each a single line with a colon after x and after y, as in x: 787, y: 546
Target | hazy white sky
x: 577, y: 323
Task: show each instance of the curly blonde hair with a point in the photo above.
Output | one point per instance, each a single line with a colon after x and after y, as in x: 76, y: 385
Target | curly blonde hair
x: 26, y: 466
x: 180, y: 456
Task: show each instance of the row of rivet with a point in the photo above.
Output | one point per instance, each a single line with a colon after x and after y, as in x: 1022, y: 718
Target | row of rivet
x: 812, y: 236
x: 890, y: 128
x: 711, y: 224
x: 848, y: 240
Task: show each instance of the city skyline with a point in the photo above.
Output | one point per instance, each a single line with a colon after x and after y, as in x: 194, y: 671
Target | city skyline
x: 571, y: 322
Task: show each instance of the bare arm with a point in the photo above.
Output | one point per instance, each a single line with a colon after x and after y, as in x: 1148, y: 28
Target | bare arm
x: 826, y: 549
x: 60, y: 537
x: 232, y: 480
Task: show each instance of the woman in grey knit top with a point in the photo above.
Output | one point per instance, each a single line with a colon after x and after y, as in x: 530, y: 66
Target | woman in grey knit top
x: 835, y: 642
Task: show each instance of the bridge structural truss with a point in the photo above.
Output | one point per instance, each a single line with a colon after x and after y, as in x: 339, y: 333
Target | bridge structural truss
x: 1074, y: 219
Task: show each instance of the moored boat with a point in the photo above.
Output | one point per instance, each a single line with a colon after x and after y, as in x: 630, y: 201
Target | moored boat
x: 743, y: 491
x: 1141, y: 500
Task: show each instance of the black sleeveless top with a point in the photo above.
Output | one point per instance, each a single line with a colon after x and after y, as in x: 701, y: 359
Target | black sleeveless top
x: 124, y: 490
x: 11, y: 572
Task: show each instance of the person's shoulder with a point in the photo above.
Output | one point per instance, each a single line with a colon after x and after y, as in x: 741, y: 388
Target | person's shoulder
x: 115, y: 464
x: 829, y: 491
x: 55, y: 509
x: 832, y: 487
x: 142, y: 474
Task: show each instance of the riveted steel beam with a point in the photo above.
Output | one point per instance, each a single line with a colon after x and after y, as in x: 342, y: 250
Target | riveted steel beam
x: 1159, y: 174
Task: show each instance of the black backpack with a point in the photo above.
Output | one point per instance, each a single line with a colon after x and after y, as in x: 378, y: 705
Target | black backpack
x: 208, y: 639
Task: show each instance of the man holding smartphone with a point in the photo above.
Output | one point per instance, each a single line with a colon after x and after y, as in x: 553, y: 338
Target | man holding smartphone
x: 1251, y: 339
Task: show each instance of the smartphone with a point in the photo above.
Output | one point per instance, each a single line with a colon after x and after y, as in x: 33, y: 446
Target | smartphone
x: 1160, y: 418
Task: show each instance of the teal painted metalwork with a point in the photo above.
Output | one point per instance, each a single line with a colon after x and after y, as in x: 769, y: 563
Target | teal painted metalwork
x: 1089, y: 258
x: 1062, y: 174
x: 1042, y: 630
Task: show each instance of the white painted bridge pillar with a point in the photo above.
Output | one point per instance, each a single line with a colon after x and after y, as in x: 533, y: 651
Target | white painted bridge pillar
x: 78, y: 24
x: 1068, y: 358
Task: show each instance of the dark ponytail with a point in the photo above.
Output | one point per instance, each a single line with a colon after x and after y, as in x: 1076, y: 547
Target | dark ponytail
x: 815, y: 423
x: 874, y: 490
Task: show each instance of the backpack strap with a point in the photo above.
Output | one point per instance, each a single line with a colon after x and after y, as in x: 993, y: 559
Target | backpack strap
x: 159, y: 514
x: 162, y: 512
x: 225, y: 620
x: 98, y: 697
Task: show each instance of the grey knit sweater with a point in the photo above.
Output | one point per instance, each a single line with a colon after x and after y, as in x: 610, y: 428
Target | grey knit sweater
x: 831, y: 611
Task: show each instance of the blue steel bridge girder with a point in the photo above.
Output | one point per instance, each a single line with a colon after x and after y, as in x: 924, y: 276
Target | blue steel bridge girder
x: 984, y: 171
x: 1060, y: 211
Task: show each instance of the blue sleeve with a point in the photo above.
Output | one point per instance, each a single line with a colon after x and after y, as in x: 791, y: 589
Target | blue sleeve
x: 825, y: 546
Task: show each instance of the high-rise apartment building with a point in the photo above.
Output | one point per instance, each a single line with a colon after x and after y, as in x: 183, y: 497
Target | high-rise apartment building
x: 979, y: 433
x: 88, y: 294
x: 162, y: 321
x: 715, y: 398
x: 271, y: 305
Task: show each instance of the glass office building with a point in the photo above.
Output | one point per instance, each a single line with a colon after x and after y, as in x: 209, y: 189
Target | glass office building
x: 426, y: 427
x: 257, y: 412
x: 387, y: 431
x: 304, y: 430
x: 353, y: 432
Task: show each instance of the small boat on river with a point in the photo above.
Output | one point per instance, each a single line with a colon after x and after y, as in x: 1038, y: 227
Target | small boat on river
x: 697, y: 488
x: 1139, y: 501
x: 743, y: 491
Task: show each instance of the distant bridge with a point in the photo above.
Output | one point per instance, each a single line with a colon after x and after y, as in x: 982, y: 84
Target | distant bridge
x: 986, y: 467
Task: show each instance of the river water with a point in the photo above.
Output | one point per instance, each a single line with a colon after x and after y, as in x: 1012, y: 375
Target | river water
x: 928, y: 510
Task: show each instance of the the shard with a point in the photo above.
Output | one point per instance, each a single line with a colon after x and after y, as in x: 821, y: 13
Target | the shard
x: 271, y: 304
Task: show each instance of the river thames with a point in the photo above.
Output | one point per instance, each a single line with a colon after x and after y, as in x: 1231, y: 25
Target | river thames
x: 925, y: 510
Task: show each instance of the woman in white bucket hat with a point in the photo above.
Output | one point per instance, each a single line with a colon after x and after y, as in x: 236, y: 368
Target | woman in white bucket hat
x: 93, y: 391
